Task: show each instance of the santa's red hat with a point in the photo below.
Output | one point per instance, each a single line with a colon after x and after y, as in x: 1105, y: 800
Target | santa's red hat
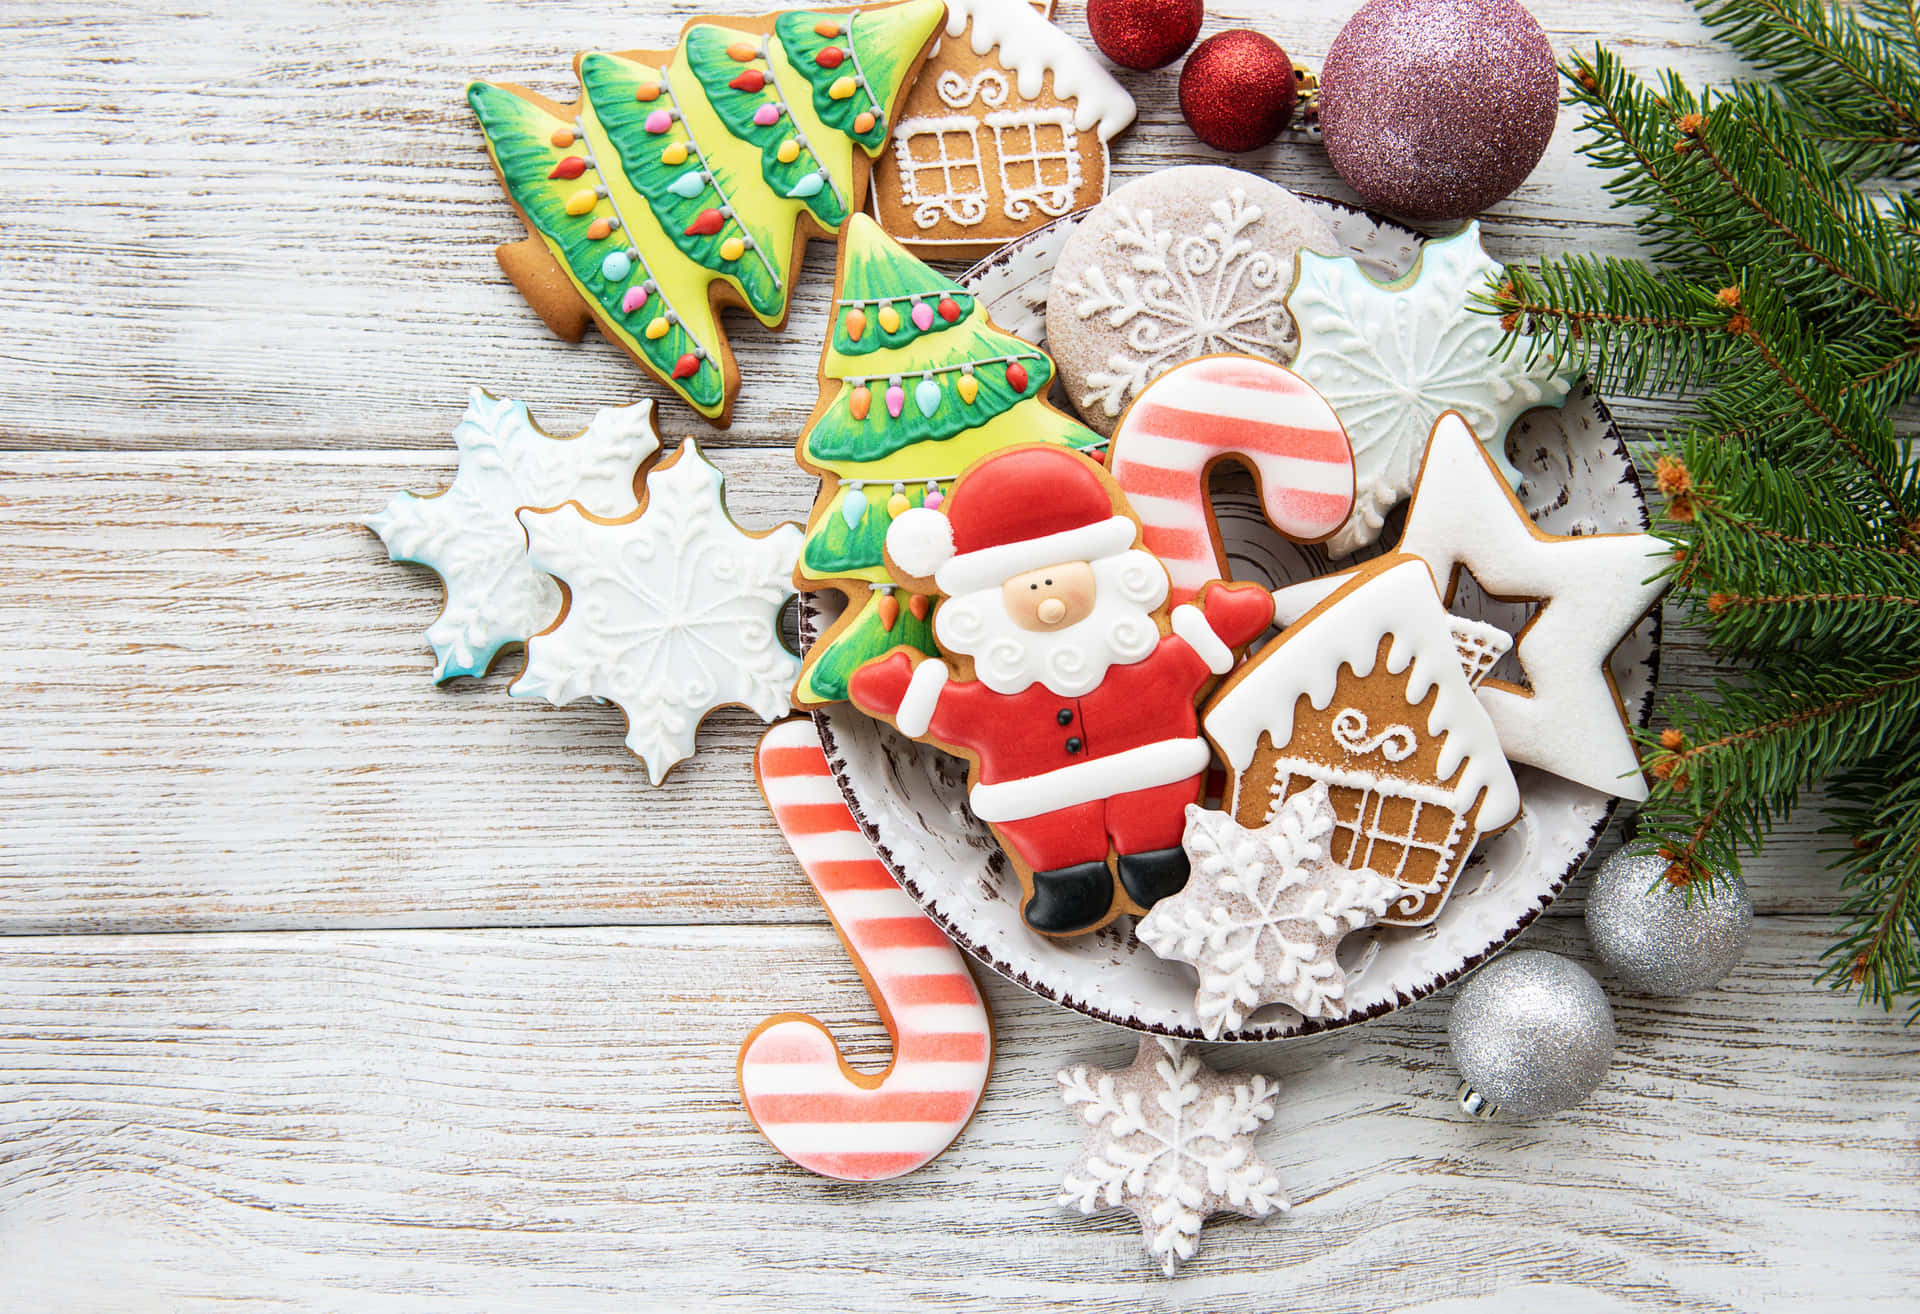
x: 1012, y: 512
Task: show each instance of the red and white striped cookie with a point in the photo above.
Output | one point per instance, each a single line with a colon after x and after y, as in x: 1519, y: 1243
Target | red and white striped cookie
x: 1220, y: 407
x: 805, y: 1098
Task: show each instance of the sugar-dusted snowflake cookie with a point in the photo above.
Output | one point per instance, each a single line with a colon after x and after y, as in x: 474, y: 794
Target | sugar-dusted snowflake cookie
x: 1172, y: 1140
x: 671, y: 612
x: 1391, y: 357
x: 1263, y: 913
x: 468, y: 535
x: 1187, y: 262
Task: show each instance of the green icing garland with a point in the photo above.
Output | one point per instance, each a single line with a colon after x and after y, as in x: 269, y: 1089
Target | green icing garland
x: 520, y: 137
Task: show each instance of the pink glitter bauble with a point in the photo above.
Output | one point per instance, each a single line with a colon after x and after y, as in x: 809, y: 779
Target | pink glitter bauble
x: 1436, y: 109
x: 1144, y: 33
x: 1237, y: 91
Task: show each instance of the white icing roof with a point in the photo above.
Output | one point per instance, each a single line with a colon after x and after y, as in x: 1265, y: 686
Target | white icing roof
x: 1029, y: 47
x: 1400, y: 602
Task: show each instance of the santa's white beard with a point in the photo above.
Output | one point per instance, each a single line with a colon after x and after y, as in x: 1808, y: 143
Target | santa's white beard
x: 1120, y: 630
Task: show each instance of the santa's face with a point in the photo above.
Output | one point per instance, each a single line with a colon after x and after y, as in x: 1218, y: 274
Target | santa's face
x: 1064, y: 634
x: 1051, y: 598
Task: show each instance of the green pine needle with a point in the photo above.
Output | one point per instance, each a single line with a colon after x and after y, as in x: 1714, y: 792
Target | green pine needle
x: 1783, y: 303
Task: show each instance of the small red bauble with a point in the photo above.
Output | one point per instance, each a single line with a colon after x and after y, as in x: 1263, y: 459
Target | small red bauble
x: 1144, y: 33
x: 1237, y: 91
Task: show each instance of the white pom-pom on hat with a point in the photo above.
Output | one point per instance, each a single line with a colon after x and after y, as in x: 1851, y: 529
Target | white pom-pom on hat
x: 920, y: 541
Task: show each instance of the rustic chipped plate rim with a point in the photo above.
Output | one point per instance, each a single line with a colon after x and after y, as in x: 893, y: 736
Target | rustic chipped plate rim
x: 1384, y: 246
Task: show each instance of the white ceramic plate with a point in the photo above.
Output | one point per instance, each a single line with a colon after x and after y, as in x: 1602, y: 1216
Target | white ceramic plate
x: 911, y: 799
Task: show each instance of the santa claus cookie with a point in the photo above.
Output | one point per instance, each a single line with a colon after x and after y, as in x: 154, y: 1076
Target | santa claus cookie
x: 1070, y: 686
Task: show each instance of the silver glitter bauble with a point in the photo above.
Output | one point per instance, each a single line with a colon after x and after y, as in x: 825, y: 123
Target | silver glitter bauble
x: 1531, y: 1034
x: 1656, y: 939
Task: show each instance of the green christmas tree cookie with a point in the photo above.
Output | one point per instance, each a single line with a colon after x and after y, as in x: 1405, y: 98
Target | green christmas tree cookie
x: 919, y: 386
x: 687, y: 180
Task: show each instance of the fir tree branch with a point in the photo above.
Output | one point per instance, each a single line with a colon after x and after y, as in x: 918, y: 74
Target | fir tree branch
x: 1853, y: 74
x: 1877, y: 807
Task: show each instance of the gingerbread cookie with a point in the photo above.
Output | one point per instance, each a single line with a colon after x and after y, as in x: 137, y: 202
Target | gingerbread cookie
x: 1172, y: 1140
x: 1186, y: 262
x: 916, y: 383
x: 468, y: 534
x: 1592, y: 589
x: 1264, y: 912
x: 1366, y: 695
x: 1069, y: 684
x: 1391, y: 357
x: 688, y: 180
x: 802, y: 1095
x: 671, y: 612
x: 1229, y: 408
x: 1005, y: 129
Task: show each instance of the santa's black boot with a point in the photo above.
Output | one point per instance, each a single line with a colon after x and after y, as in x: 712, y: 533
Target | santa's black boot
x: 1150, y: 877
x: 1069, y: 899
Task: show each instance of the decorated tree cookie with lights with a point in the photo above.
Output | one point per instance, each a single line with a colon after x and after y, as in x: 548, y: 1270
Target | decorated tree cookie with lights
x: 916, y: 385
x: 1071, y: 684
x: 688, y: 180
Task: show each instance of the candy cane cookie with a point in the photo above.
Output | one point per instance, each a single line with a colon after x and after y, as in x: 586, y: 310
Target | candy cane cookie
x: 806, y: 1099
x: 1229, y: 407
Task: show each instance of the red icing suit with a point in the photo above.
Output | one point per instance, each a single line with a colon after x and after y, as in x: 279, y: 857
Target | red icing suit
x: 1063, y: 780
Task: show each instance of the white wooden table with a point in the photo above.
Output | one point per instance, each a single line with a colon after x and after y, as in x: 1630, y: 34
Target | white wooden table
x: 328, y: 989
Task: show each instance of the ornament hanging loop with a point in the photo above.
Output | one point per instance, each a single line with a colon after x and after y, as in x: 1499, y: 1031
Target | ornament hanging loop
x: 1474, y: 1104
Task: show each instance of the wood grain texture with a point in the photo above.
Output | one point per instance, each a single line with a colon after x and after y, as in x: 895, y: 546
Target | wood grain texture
x: 540, y: 1120
x: 247, y: 280
x: 273, y: 226
x: 226, y: 719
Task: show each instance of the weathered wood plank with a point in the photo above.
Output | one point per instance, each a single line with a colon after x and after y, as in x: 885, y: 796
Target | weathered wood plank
x: 224, y: 718
x: 531, y: 1120
x: 273, y: 226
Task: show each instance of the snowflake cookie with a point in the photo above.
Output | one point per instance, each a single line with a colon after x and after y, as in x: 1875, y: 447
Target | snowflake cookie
x: 1172, y: 1140
x: 1264, y: 911
x: 1189, y: 262
x: 469, y: 537
x: 1392, y: 357
x: 672, y: 612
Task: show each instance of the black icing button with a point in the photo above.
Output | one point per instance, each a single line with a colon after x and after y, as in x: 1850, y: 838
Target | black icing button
x: 1064, y: 716
x: 1073, y: 744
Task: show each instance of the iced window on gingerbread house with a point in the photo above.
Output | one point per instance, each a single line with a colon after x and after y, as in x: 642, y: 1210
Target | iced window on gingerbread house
x: 941, y: 175
x: 1039, y: 158
x: 1400, y: 828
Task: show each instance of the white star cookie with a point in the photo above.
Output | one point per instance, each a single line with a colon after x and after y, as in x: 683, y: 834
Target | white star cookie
x: 1264, y: 911
x: 672, y: 611
x: 1172, y: 1140
x: 1592, y: 589
x: 468, y: 535
x: 1392, y: 356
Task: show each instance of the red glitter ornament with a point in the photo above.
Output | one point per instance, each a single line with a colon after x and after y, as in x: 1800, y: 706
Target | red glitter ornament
x: 1237, y: 91
x: 1144, y: 33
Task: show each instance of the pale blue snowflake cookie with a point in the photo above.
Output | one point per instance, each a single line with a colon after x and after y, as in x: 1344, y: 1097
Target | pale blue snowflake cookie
x: 1393, y: 357
x: 468, y: 534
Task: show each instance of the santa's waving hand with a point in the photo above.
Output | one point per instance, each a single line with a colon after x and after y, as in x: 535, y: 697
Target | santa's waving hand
x: 1078, y: 713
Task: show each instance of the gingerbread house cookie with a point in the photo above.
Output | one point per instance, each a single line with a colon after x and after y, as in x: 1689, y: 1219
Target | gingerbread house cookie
x: 1367, y: 696
x: 1006, y: 129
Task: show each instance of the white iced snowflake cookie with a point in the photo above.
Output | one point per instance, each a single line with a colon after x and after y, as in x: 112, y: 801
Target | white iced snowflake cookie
x: 468, y: 535
x: 1186, y: 262
x: 671, y: 613
x: 1172, y: 1140
x: 1392, y: 357
x: 1264, y: 911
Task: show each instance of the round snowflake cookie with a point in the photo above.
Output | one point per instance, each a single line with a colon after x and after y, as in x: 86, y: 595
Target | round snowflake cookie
x: 1187, y: 262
